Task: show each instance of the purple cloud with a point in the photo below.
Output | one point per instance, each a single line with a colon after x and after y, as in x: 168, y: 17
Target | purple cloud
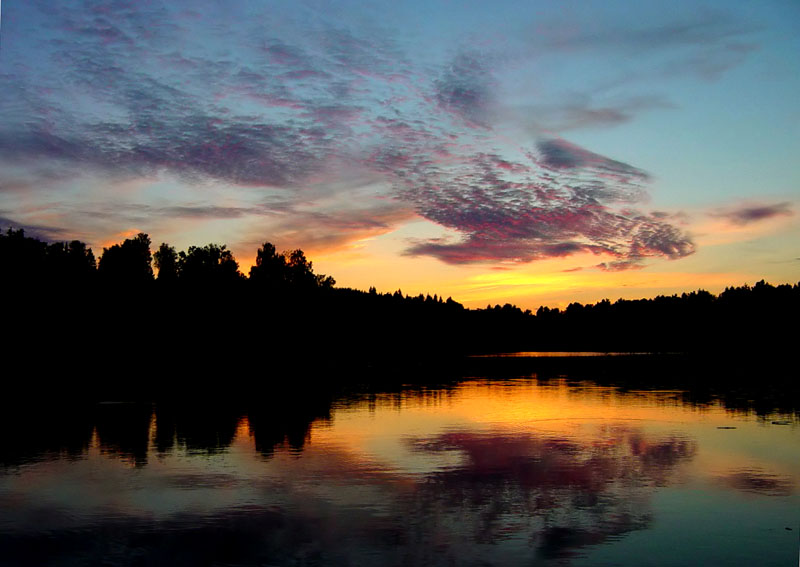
x: 754, y: 213
x: 701, y: 30
x: 555, y: 480
x: 558, y: 154
x: 328, y: 229
x: 305, y: 104
x: 46, y: 233
x: 466, y: 87
x: 580, y: 111
x: 564, y: 200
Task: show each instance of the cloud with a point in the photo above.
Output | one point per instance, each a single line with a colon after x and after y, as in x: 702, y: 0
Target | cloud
x: 563, y: 201
x: 46, y: 233
x: 466, y: 87
x: 580, y: 111
x: 331, y: 228
x: 748, y: 214
x: 559, y: 154
x: 477, y: 249
x: 153, y: 91
x: 701, y: 30
x: 711, y: 64
x: 704, y: 44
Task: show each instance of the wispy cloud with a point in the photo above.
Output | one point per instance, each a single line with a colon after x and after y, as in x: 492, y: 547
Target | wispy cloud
x: 125, y: 91
x: 466, y: 87
x: 581, y: 111
x: 47, y: 233
x: 748, y: 214
x: 704, y: 29
x: 563, y: 200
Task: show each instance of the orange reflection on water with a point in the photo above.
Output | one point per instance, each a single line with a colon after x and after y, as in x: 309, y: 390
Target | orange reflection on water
x: 555, y: 354
x: 379, y: 428
x: 242, y: 431
x: 503, y: 472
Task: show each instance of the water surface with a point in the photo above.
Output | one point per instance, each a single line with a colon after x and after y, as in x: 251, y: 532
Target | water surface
x: 484, y: 472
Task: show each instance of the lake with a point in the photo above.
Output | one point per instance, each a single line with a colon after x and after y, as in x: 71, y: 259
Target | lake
x: 513, y: 471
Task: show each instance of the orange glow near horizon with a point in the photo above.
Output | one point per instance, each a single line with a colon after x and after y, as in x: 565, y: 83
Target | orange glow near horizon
x: 375, y: 255
x: 119, y: 237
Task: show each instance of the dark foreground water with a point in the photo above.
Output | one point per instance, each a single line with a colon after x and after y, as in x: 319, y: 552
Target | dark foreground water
x: 512, y: 472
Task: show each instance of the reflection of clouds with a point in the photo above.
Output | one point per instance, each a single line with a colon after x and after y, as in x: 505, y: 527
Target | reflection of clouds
x: 567, y: 493
x: 328, y: 505
x: 511, y: 496
x: 542, y: 461
x: 758, y: 482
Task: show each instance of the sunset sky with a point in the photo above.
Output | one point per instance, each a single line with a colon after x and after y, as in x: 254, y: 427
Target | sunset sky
x: 532, y: 152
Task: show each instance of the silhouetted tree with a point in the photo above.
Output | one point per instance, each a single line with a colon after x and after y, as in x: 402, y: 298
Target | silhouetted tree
x: 210, y: 264
x: 70, y: 262
x: 33, y: 262
x: 290, y: 271
x: 325, y: 282
x: 127, y: 263
x: 166, y: 262
x: 741, y: 319
x: 270, y: 270
x: 299, y: 270
x: 23, y: 258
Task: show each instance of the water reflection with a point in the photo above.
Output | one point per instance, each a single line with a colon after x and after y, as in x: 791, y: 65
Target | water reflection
x: 478, y: 473
x: 559, y: 494
x: 133, y: 432
x: 123, y: 430
x: 758, y: 482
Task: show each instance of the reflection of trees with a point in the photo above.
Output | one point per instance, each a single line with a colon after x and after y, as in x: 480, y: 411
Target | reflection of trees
x: 513, y: 498
x: 32, y: 433
x: 559, y: 493
x: 283, y: 422
x: 197, y: 427
x: 131, y: 430
x: 123, y: 430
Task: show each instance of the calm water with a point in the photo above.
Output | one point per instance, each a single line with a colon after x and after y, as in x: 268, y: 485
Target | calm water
x: 515, y: 472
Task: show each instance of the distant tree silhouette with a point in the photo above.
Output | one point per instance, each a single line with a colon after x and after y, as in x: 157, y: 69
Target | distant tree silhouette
x: 210, y: 264
x: 128, y: 263
x: 166, y: 262
x: 269, y: 273
x: 300, y: 272
x: 23, y: 258
x: 290, y: 270
x: 71, y: 262
x: 33, y: 262
x: 325, y: 282
x: 306, y: 312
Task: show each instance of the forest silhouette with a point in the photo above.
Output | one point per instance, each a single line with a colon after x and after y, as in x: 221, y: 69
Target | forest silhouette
x: 197, y: 315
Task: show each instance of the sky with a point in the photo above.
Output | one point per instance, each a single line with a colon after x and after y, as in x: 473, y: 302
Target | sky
x: 535, y: 153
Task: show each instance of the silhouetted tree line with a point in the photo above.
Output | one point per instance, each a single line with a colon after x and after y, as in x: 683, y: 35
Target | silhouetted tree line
x: 198, y: 315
